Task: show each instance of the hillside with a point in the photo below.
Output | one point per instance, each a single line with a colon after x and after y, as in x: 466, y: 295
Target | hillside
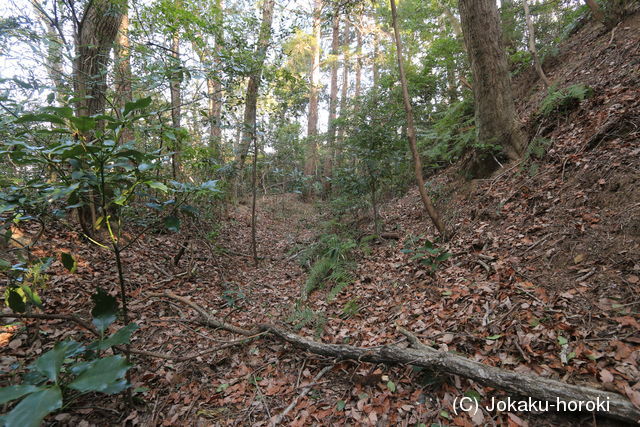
x: 543, y: 278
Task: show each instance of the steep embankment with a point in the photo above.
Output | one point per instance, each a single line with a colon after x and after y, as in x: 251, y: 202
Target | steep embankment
x: 545, y: 276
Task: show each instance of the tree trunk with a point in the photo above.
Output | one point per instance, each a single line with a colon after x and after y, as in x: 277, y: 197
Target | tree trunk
x: 374, y: 63
x: 176, y: 102
x: 358, y: 88
x: 345, y: 83
x: 532, y: 45
x: 311, y: 160
x: 251, y: 100
x: 254, y: 189
x: 411, y: 131
x: 496, y: 121
x: 123, y: 88
x: 215, y: 107
x: 96, y: 33
x: 333, y: 102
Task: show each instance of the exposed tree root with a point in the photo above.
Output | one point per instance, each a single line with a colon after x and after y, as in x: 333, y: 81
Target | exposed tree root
x: 536, y: 387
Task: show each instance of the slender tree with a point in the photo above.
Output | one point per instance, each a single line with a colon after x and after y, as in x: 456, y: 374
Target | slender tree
x: 333, y: 101
x: 176, y: 100
x: 411, y: 131
x: 532, y: 45
x: 123, y: 89
x: 346, y: 36
x: 311, y: 160
x: 496, y: 121
x: 251, y: 98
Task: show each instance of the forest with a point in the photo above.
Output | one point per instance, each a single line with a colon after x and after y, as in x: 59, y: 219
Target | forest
x: 320, y: 212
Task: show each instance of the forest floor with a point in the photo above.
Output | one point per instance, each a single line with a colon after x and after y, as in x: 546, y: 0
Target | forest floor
x: 544, y: 279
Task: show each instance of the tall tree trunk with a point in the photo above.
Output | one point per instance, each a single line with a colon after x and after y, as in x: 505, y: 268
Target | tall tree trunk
x: 215, y: 123
x: 123, y: 88
x: 333, y: 102
x: 496, y: 121
x: 346, y: 35
x: 374, y: 63
x: 411, y: 131
x: 311, y: 160
x: 251, y: 100
x: 358, y: 71
x: 176, y: 101
x: 532, y: 45
x: 96, y: 34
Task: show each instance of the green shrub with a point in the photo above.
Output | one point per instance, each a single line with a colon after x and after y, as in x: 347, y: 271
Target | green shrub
x: 428, y: 254
x: 561, y: 101
x: 71, y: 369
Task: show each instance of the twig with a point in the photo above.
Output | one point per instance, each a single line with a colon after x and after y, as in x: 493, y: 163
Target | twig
x: 278, y: 419
x: 193, y: 356
x: 71, y: 318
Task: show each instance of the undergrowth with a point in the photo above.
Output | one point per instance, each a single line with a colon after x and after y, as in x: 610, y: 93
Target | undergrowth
x: 561, y: 101
x: 329, y: 264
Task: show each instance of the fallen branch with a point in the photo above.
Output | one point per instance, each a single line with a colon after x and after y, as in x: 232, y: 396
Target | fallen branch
x: 536, y: 387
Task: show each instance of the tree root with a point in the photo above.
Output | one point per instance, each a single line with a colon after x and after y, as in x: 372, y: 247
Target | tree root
x: 536, y: 387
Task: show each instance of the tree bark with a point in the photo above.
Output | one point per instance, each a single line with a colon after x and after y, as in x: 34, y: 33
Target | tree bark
x: 251, y: 99
x: 124, y: 92
x: 358, y: 71
x: 537, y: 387
x: 411, y: 131
x: 215, y: 107
x: 532, y: 45
x: 96, y: 33
x: 333, y: 102
x: 374, y: 63
x: 346, y: 34
x: 176, y: 102
x: 311, y: 160
x: 496, y: 121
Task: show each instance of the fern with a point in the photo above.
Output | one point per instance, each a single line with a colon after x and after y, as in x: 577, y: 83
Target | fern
x: 561, y: 101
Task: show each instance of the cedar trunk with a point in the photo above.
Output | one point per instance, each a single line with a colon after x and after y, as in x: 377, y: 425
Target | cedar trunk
x: 496, y: 121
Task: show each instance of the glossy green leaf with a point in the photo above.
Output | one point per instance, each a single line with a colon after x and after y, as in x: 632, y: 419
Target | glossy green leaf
x: 84, y: 123
x: 32, y: 409
x: 69, y: 262
x: 494, y: 337
x: 42, y: 117
x: 101, y: 374
x: 341, y: 405
x: 391, y: 386
x: 138, y: 104
x: 105, y: 309
x: 13, y: 392
x: 122, y: 336
x: 172, y: 223
x: 562, y: 340
x: 15, y: 301
x: 49, y: 363
x: 157, y: 186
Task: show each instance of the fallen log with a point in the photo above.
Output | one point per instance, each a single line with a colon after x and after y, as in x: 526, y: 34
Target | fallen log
x: 536, y: 387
